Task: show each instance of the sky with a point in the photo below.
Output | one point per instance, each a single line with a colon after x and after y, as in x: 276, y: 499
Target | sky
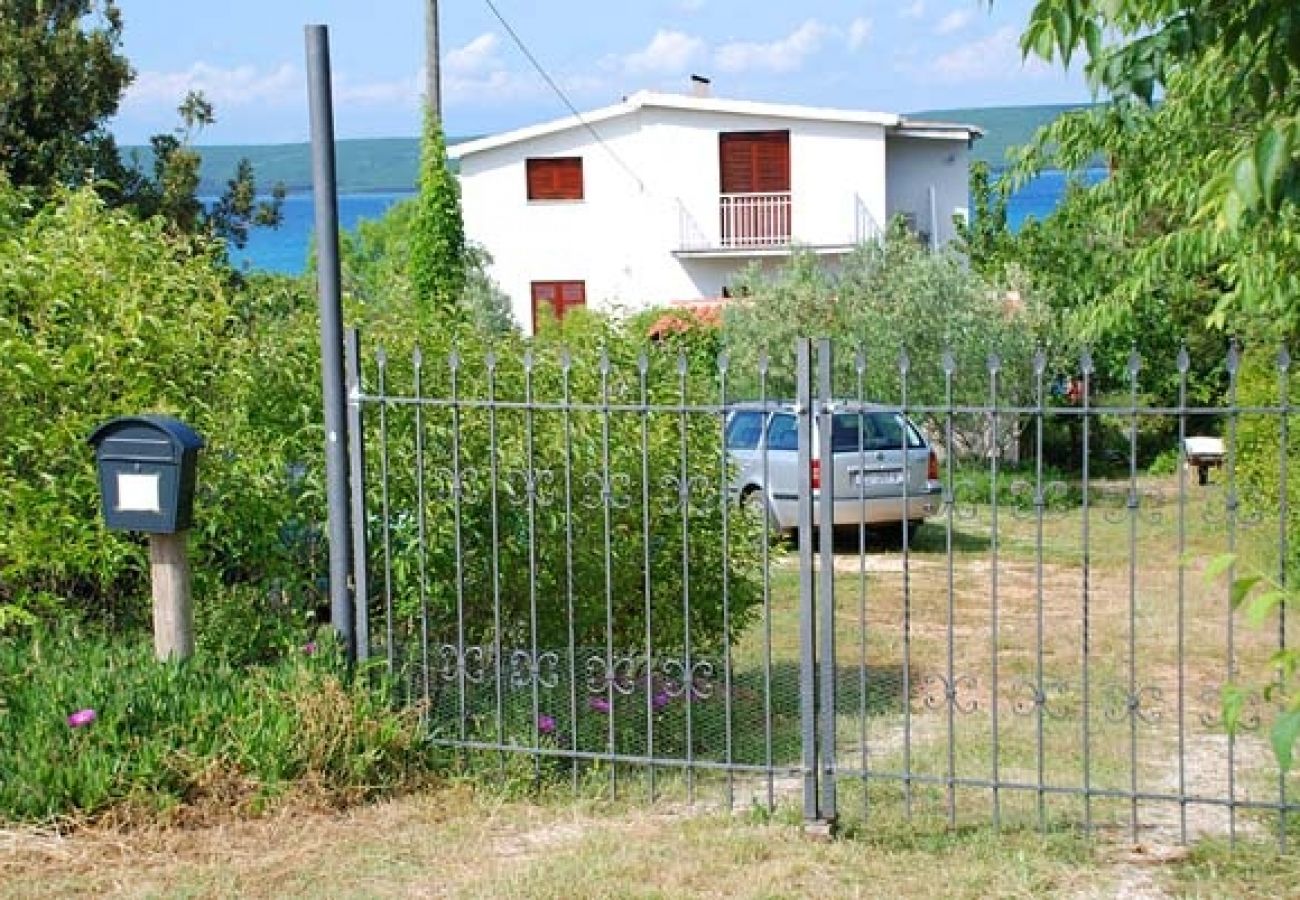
x: 248, y: 57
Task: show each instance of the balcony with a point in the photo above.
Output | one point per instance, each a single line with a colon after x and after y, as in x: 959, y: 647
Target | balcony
x: 761, y: 225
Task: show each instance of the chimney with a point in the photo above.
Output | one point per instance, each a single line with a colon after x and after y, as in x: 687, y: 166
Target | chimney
x: 701, y: 87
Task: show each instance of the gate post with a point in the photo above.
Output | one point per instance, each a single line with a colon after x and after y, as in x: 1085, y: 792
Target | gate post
x: 807, y: 584
x: 357, y: 481
x: 826, y: 588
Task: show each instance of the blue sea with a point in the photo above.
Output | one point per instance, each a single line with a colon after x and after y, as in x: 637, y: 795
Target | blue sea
x: 284, y: 250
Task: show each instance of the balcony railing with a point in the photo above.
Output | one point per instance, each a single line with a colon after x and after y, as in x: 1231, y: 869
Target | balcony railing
x: 762, y: 223
x: 755, y: 220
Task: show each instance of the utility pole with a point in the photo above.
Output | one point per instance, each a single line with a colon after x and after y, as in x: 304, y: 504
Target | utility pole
x: 432, y: 62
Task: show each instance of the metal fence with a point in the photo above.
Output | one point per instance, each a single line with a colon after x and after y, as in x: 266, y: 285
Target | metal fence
x: 554, y: 564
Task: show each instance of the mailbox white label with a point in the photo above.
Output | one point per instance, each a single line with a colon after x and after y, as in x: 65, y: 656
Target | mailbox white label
x: 138, y: 493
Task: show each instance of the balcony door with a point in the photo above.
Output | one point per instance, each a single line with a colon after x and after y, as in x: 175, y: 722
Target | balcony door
x: 755, y: 179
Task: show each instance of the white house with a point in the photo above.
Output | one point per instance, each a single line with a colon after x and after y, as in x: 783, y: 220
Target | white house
x: 665, y: 197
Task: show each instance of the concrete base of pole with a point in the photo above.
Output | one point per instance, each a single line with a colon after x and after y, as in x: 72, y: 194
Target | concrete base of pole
x: 173, y: 612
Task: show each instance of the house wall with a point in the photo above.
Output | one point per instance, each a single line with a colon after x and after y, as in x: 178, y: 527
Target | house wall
x: 620, y: 239
x: 912, y: 166
x: 831, y: 163
x: 599, y: 239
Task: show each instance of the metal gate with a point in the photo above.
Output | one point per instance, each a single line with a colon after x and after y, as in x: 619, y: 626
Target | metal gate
x: 557, y: 564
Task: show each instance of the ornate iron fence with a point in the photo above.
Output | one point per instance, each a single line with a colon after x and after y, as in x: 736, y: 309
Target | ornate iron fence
x: 554, y: 553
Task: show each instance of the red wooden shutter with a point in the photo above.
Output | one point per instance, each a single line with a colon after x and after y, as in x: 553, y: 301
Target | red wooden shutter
x: 554, y: 179
x: 560, y: 296
x: 754, y: 162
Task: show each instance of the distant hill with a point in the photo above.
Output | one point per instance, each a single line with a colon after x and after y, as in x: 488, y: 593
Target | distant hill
x: 1004, y: 126
x: 375, y: 165
x: 363, y: 165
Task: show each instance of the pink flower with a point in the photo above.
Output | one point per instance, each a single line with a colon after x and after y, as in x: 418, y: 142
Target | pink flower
x: 81, y: 717
x: 599, y: 704
x: 546, y: 724
x: 309, y: 648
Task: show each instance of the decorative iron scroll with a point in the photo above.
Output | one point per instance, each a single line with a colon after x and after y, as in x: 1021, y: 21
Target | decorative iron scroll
x: 1143, y: 703
x: 472, y: 662
x: 527, y: 669
x: 530, y: 485
x: 1211, y: 702
x: 445, y: 487
x: 937, y: 693
x: 1053, y: 699
x: 1027, y: 501
x: 613, y: 489
x: 686, y: 494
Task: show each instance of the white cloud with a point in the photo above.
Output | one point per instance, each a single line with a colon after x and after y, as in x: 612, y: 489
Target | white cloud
x: 859, y: 32
x: 955, y: 21
x: 690, y: 5
x: 667, y: 52
x: 996, y: 56
x: 225, y: 87
x: 786, y: 54
x: 476, y: 56
x: 398, y: 92
x: 913, y: 10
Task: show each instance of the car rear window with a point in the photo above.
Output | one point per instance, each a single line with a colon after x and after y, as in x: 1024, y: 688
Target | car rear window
x: 851, y: 432
x: 782, y: 433
x: 744, y: 430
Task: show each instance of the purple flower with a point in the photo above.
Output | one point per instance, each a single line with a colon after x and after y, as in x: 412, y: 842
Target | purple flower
x: 599, y: 704
x: 81, y: 717
x: 660, y: 700
x: 546, y: 724
x: 309, y: 648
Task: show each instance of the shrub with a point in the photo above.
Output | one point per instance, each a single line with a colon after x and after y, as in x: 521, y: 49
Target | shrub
x: 888, y: 297
x: 558, y: 550
x: 103, y: 315
x: 92, y: 722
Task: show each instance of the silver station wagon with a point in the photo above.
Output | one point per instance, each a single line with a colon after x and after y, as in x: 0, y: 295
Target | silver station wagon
x: 872, y: 485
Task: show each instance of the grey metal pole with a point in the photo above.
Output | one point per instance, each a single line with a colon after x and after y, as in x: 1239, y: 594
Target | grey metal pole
x: 325, y: 189
x: 433, y: 61
x: 807, y: 586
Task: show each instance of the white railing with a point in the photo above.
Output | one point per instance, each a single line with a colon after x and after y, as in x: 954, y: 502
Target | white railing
x: 764, y: 222
x: 755, y: 220
x: 865, y: 226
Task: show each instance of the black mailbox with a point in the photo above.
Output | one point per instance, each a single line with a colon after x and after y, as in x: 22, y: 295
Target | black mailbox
x: 146, y: 473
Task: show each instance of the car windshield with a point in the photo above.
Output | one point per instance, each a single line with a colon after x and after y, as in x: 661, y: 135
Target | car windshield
x: 851, y: 432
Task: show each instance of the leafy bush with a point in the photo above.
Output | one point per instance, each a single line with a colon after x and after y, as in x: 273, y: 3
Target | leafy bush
x: 1259, y: 465
x: 92, y: 723
x: 538, y: 554
x: 103, y: 315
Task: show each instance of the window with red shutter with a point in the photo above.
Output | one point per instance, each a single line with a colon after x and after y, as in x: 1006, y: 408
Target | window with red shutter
x: 560, y: 296
x: 754, y: 162
x: 558, y: 178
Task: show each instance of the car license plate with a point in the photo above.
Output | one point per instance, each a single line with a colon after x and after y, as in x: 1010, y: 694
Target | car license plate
x: 892, y: 476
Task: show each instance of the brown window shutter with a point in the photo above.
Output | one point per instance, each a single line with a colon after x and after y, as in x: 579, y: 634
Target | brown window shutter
x: 754, y: 162
x: 560, y: 296
x: 554, y: 179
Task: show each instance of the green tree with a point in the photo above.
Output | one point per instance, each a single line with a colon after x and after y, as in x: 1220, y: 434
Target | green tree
x: 437, y: 243
x: 171, y: 191
x: 377, y: 273
x: 1222, y: 200
x: 61, y: 77
x: 888, y: 298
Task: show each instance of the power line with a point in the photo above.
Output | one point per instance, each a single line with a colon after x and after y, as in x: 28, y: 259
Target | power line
x: 546, y: 76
